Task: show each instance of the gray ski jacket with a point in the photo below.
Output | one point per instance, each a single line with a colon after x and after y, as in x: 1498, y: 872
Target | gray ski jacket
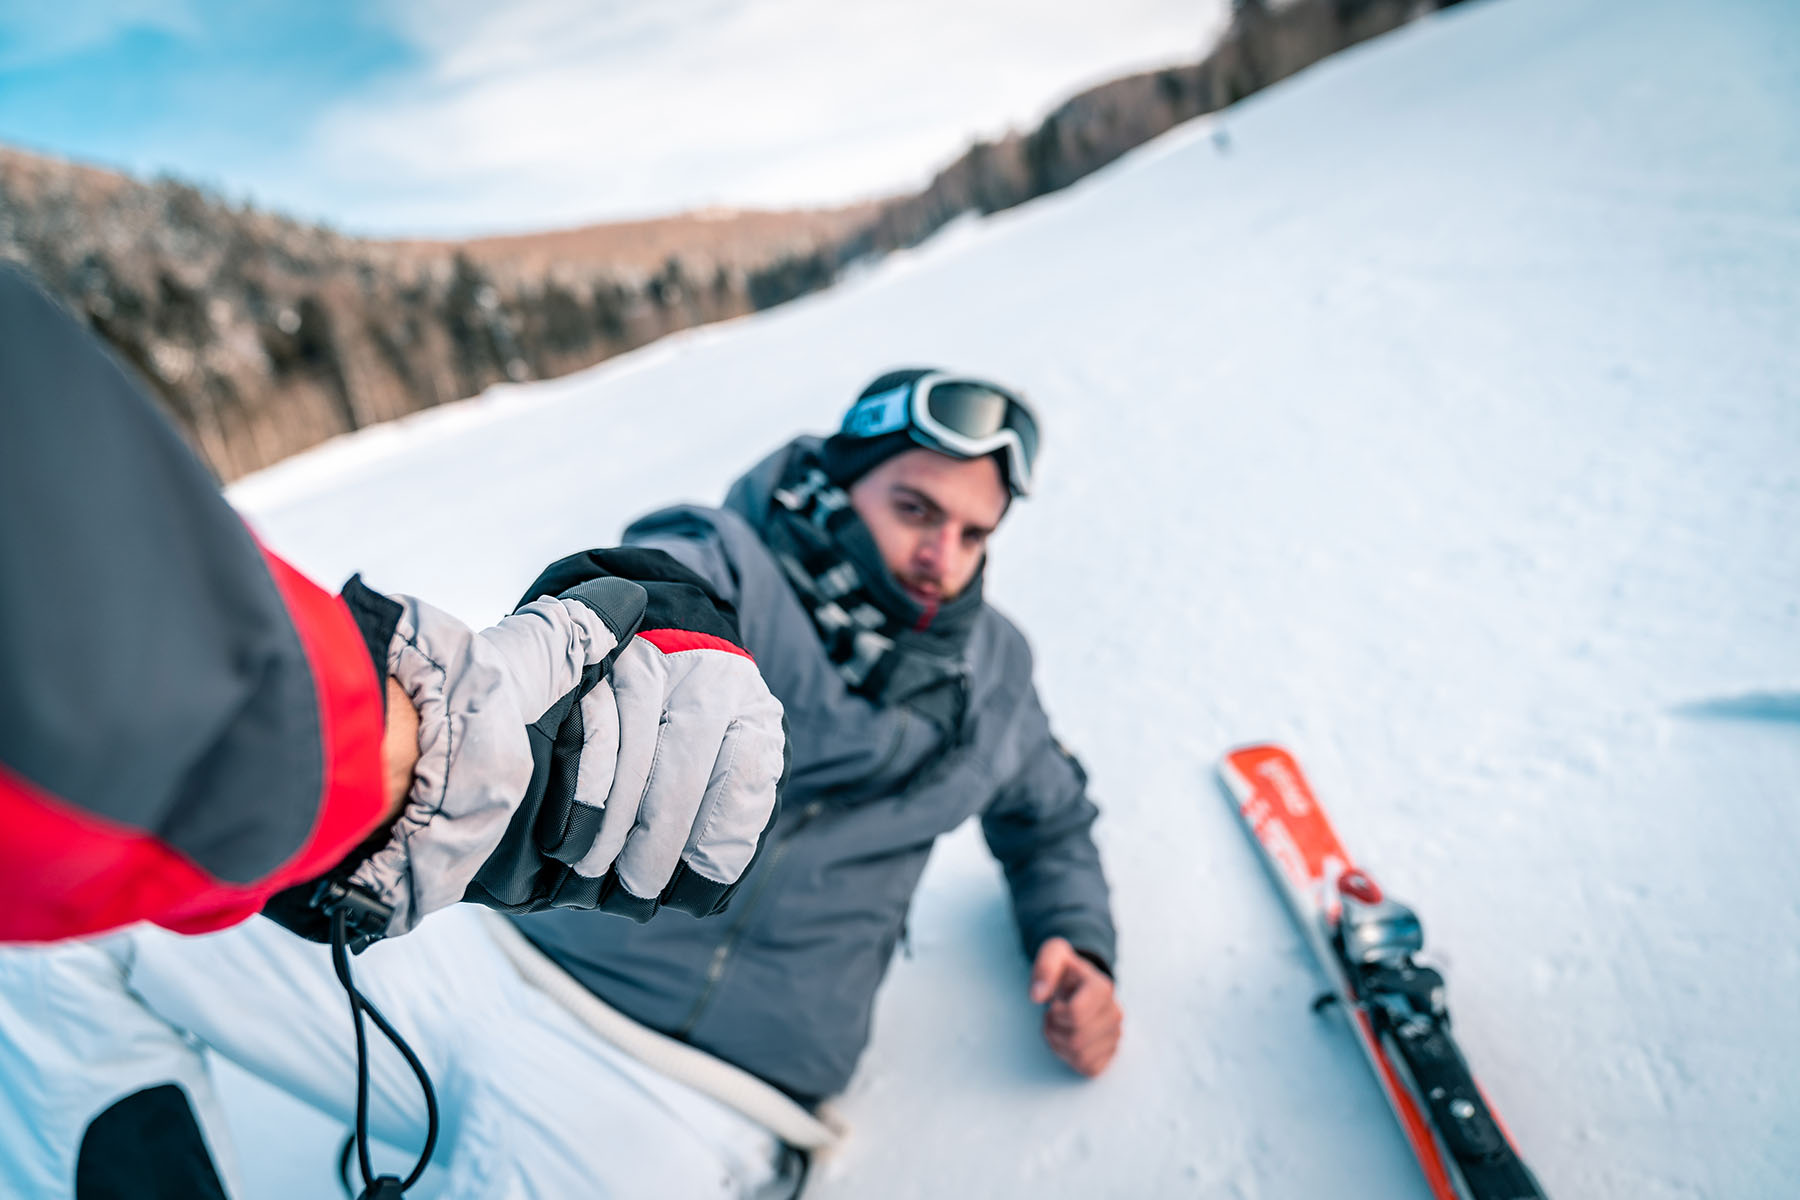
x: 783, y: 983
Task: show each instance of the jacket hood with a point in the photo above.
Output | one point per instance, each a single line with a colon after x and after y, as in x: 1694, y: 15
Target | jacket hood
x: 751, y: 494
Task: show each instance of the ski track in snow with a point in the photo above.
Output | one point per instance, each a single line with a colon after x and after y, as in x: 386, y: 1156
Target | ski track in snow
x: 1446, y: 428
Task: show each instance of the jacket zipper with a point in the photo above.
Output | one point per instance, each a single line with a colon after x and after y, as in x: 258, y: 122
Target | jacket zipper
x: 715, y: 970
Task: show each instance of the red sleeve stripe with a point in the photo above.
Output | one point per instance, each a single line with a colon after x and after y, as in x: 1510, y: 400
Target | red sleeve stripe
x: 66, y: 872
x: 674, y: 641
x: 350, y: 724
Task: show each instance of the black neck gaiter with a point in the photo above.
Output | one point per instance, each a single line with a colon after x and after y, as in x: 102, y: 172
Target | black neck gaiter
x: 888, y: 648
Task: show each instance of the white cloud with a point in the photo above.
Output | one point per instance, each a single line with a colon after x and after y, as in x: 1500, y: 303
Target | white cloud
x: 547, y: 112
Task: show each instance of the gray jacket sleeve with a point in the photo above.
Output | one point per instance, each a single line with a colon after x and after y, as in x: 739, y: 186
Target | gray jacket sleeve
x: 1040, y: 829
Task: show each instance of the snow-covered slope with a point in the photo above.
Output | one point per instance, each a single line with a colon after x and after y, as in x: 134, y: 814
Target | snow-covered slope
x: 1442, y: 421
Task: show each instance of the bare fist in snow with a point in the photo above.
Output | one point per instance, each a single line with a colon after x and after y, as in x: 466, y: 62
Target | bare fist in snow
x: 1082, y: 1020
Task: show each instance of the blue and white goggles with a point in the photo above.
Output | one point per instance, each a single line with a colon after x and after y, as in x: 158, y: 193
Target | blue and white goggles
x: 958, y: 416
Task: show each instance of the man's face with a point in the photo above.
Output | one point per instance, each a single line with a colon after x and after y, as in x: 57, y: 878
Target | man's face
x: 931, y: 516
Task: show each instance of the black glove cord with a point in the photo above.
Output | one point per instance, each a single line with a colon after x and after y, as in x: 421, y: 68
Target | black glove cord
x: 374, y: 1187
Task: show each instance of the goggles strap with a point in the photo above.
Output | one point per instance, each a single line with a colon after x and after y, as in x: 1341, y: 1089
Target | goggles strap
x: 884, y: 412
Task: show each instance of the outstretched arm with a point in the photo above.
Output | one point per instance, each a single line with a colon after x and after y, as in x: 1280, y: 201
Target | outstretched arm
x: 186, y: 724
x: 190, y: 728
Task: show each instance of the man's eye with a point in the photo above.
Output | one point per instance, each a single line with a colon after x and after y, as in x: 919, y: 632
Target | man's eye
x: 972, y: 539
x: 910, y: 508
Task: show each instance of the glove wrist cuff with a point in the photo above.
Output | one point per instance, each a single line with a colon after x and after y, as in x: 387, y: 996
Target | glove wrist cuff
x: 377, y: 617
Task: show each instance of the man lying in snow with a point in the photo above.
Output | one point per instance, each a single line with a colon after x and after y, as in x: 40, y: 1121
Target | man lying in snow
x: 855, y: 565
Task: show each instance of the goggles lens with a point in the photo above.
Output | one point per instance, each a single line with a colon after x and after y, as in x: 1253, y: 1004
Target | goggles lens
x: 971, y: 409
x: 978, y: 411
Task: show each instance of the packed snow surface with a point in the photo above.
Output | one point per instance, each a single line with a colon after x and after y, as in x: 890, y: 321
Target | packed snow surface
x: 1436, y: 413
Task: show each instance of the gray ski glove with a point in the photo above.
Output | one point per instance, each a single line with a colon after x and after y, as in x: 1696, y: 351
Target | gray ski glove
x: 569, y: 756
x: 655, y: 788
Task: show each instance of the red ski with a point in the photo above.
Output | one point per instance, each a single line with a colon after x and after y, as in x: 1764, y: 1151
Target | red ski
x: 1365, y: 942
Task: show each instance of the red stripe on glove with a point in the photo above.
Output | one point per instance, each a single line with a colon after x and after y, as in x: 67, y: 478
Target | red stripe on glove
x: 674, y: 641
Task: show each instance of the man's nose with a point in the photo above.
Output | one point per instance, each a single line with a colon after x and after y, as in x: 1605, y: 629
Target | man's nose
x: 934, y: 548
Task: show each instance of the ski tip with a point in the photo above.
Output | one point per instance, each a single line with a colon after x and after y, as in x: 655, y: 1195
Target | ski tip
x: 1237, y: 767
x: 1243, y: 761
x: 1256, y: 749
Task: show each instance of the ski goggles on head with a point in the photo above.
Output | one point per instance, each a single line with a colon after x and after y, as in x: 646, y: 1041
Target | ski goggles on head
x: 958, y: 416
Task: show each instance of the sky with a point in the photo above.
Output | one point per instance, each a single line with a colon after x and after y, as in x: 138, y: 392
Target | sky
x: 452, y: 117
